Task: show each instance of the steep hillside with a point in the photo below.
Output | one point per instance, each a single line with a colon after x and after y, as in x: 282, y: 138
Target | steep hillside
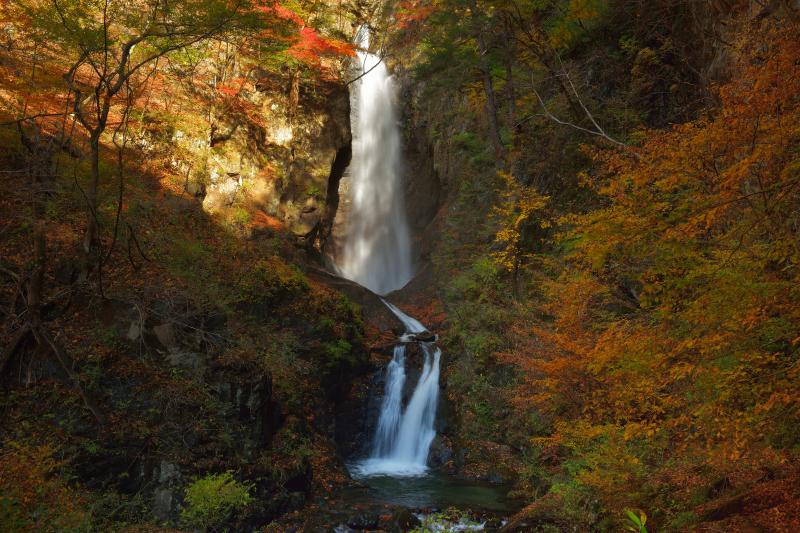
x: 181, y: 340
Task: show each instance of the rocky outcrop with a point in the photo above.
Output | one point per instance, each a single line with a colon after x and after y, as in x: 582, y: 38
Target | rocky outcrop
x: 373, y: 309
x: 425, y: 184
x: 282, y: 158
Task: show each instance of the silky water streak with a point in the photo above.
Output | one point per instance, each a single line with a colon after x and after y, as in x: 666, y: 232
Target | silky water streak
x: 377, y: 248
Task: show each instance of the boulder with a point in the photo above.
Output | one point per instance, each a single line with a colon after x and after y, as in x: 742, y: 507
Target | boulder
x: 363, y: 521
x: 441, y: 450
x: 167, y: 493
x: 165, y: 333
x: 401, y: 520
x: 425, y: 336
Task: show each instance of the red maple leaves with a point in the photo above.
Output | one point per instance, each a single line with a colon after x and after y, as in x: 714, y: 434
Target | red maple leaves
x: 309, y: 46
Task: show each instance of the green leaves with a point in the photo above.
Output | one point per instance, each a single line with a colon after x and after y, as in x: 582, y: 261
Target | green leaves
x: 213, y: 500
x: 636, y: 522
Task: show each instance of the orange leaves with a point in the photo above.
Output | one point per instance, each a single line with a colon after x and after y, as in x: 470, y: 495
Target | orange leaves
x: 232, y: 87
x: 287, y: 14
x: 308, y: 45
x: 35, y: 497
x: 311, y: 46
x: 263, y: 221
x: 410, y: 12
x: 671, y: 328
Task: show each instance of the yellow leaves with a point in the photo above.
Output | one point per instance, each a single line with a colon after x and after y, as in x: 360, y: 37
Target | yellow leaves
x: 518, y: 206
x: 43, y: 501
x: 639, y: 429
x: 681, y: 370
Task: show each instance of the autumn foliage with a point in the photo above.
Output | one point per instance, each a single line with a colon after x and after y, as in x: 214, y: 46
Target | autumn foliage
x: 307, y: 45
x: 669, y: 359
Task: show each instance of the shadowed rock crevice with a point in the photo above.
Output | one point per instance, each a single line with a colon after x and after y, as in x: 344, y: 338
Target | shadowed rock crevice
x: 318, y: 237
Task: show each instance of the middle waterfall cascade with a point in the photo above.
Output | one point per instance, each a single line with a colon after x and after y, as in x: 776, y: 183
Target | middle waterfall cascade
x: 377, y: 249
x: 403, y: 437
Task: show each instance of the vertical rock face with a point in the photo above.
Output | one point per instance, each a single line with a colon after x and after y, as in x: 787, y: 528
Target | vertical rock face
x: 425, y: 186
x: 284, y: 159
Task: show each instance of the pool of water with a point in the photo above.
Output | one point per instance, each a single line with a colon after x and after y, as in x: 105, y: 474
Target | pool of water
x: 431, y: 490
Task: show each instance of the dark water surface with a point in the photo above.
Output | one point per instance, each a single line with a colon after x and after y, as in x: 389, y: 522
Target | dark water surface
x: 431, y: 490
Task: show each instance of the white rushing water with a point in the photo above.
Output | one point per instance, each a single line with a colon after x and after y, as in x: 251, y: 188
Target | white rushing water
x: 377, y: 249
x: 391, y: 408
x: 411, y: 324
x: 404, y: 435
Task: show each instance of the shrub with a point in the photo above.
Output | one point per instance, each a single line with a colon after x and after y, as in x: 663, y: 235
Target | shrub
x: 273, y: 281
x: 337, y: 352
x: 213, y: 500
x: 35, y: 495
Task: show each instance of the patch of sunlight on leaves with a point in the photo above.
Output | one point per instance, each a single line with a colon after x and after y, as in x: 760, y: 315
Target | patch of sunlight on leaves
x: 212, y: 500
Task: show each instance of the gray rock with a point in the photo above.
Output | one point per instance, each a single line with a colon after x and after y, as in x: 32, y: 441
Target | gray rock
x: 363, y: 521
x: 402, y: 520
x: 162, y: 503
x: 168, y: 472
x: 134, y: 331
x: 165, y: 496
x: 165, y: 333
x: 186, y: 360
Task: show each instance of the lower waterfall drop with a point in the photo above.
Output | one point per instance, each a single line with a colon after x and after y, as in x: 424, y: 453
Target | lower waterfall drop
x: 403, y: 437
x: 391, y: 409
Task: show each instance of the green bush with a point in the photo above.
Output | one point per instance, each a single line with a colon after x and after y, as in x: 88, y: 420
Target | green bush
x: 273, y: 281
x: 213, y: 500
x: 240, y: 216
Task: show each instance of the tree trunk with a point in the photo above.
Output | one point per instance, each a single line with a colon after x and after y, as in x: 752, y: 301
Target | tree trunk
x: 488, y: 85
x: 36, y: 282
x: 511, y: 96
x: 491, y: 111
x: 90, y: 237
x: 294, y: 90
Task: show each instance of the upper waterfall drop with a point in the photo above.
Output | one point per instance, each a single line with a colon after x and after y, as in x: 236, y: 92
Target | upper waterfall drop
x: 377, y: 249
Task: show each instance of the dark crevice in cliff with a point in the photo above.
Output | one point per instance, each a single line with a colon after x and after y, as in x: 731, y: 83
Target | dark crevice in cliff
x: 318, y: 237
x: 340, y: 164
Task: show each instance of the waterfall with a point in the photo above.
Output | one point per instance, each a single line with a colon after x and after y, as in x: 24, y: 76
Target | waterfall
x: 389, y: 421
x: 416, y: 426
x: 411, y: 324
x: 403, y: 436
x: 377, y: 249
x: 377, y: 255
